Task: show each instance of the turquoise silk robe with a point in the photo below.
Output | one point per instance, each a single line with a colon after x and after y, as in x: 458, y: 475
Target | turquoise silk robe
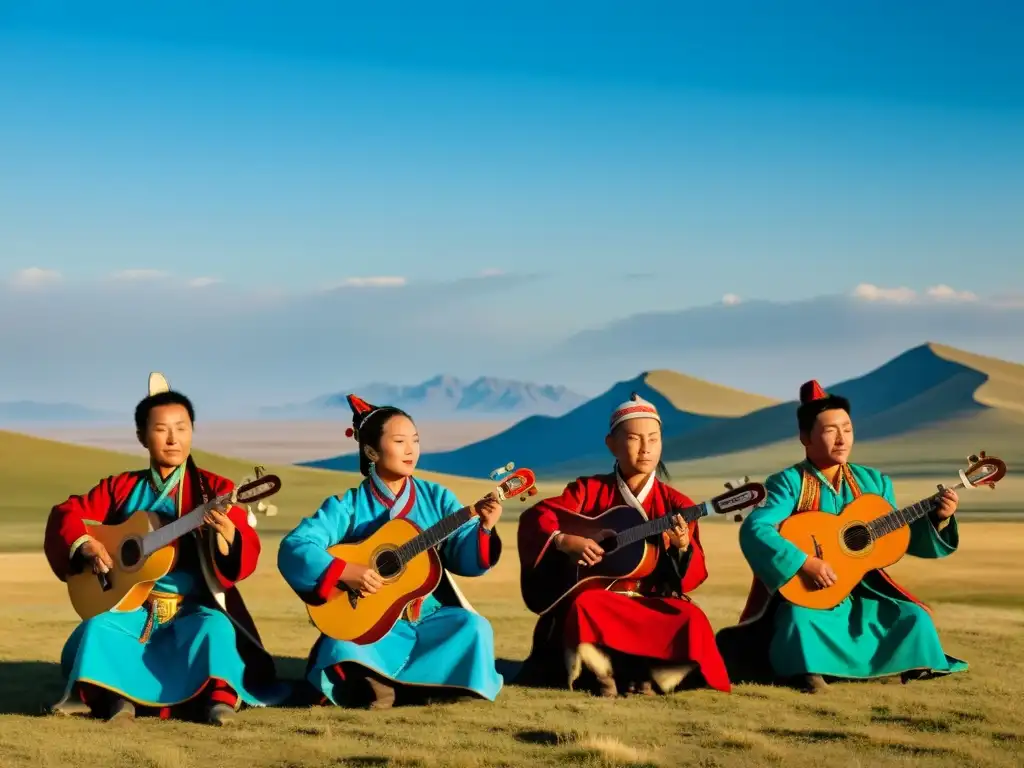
x: 175, y: 660
x: 446, y: 644
x: 878, y: 630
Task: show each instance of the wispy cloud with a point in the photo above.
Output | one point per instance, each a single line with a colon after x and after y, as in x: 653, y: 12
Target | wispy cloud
x: 372, y: 282
x: 138, y: 274
x: 204, y: 282
x: 945, y: 293
x: 730, y: 299
x: 869, y: 292
x: 34, y: 277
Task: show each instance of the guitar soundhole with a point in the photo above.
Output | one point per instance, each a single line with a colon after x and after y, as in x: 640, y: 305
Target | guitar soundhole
x: 131, y: 553
x: 856, y: 538
x: 388, y: 564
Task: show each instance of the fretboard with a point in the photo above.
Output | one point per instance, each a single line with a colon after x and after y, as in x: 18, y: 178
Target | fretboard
x: 900, y: 517
x: 174, y: 530
x: 660, y: 524
x: 435, y: 534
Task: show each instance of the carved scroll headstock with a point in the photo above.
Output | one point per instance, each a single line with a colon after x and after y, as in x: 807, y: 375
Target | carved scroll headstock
x: 983, y: 470
x: 741, y: 496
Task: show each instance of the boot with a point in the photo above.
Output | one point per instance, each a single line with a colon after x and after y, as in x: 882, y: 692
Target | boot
x: 121, y: 709
x: 220, y: 714
x: 597, y: 662
x: 668, y: 678
x: 383, y: 693
x: 810, y: 683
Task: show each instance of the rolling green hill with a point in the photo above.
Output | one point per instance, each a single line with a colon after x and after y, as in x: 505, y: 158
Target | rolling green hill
x: 38, y: 473
x: 923, y: 409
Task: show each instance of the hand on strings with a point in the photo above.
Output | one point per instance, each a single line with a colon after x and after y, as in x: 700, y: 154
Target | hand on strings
x: 360, y: 578
x: 489, y: 510
x: 818, y: 573
x: 679, y: 535
x: 96, y: 554
x: 948, y: 502
x: 219, y: 521
x: 587, y: 550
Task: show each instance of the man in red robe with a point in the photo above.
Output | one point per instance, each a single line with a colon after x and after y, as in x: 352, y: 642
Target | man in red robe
x: 628, y: 634
x: 192, y: 648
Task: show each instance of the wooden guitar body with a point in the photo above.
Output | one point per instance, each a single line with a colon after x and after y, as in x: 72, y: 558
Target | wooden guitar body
x: 130, y: 581
x: 559, y: 576
x: 843, y: 542
x: 369, y: 618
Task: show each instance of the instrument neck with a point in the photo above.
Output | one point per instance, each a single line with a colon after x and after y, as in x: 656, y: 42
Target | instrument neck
x: 435, y: 534
x: 174, y: 530
x: 661, y: 524
x: 900, y: 518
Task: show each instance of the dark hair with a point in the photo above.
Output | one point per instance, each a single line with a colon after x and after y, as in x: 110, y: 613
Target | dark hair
x: 371, y: 429
x: 809, y: 411
x: 147, y: 404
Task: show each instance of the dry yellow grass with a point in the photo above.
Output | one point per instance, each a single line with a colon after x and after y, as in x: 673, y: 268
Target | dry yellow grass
x: 1004, y: 386
x: 969, y: 719
x: 972, y: 719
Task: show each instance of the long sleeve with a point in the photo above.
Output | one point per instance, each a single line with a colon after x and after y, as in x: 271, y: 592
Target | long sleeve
x: 303, y: 559
x: 471, y: 550
x: 772, y: 559
x: 689, y: 568
x: 539, y: 524
x: 244, y: 554
x: 66, y: 529
x: 926, y: 540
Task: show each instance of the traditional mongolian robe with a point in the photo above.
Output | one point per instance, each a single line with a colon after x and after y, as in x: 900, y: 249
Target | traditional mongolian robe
x: 653, y: 620
x: 879, y: 630
x: 194, y: 635
x: 440, y: 642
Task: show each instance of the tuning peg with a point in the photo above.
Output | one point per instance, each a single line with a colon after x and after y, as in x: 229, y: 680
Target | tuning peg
x: 974, y: 458
x: 532, y: 492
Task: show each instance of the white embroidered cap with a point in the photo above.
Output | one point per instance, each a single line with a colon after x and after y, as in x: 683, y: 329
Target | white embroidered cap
x: 634, y: 408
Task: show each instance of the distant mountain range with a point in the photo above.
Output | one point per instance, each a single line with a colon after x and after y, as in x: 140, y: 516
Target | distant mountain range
x: 685, y: 403
x: 26, y: 411
x: 935, y: 399
x: 444, y: 397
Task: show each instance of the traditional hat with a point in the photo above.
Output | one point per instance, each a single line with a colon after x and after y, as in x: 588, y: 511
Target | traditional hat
x: 158, y: 384
x: 361, y: 411
x: 814, y: 400
x: 634, y: 408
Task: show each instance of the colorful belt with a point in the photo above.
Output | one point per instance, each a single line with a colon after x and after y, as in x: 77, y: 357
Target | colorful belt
x: 161, y: 608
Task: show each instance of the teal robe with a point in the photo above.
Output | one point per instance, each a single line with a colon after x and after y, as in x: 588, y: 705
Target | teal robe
x: 445, y: 644
x: 879, y: 630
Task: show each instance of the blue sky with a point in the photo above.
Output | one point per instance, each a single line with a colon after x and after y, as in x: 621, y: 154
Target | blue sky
x: 776, y: 151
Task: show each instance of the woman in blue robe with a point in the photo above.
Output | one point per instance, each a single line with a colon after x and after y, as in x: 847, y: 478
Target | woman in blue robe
x: 440, y: 645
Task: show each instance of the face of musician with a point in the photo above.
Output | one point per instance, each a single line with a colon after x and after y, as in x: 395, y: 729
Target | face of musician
x: 168, y: 435
x: 830, y: 439
x: 399, y: 449
x: 636, y: 445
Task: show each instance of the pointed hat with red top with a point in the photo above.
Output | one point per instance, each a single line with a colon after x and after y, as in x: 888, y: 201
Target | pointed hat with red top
x: 815, y: 400
x: 360, y: 411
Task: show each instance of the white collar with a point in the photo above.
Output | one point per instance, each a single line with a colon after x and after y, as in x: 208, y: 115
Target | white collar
x: 635, y: 501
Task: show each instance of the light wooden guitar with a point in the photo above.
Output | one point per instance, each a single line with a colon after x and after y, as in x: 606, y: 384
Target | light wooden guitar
x: 869, y: 534
x: 407, y: 561
x: 144, y: 549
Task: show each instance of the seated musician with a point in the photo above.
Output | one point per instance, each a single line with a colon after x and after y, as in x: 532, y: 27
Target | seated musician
x: 880, y: 630
x: 641, y: 637
x: 192, y: 649
x: 440, y: 648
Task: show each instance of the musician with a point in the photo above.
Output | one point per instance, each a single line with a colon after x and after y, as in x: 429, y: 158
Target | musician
x: 191, y: 650
x: 880, y: 630
x: 646, y: 637
x: 440, y: 648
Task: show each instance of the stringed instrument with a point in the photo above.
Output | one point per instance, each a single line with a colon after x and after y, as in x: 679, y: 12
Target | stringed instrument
x: 867, y: 535
x: 406, y: 559
x: 627, y: 538
x: 144, y: 549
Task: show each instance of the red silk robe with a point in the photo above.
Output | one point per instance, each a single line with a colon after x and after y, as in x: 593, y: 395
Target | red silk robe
x: 66, y: 525
x: 670, y: 630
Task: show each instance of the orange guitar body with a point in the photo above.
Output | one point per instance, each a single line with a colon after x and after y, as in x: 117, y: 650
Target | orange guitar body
x: 839, y: 540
